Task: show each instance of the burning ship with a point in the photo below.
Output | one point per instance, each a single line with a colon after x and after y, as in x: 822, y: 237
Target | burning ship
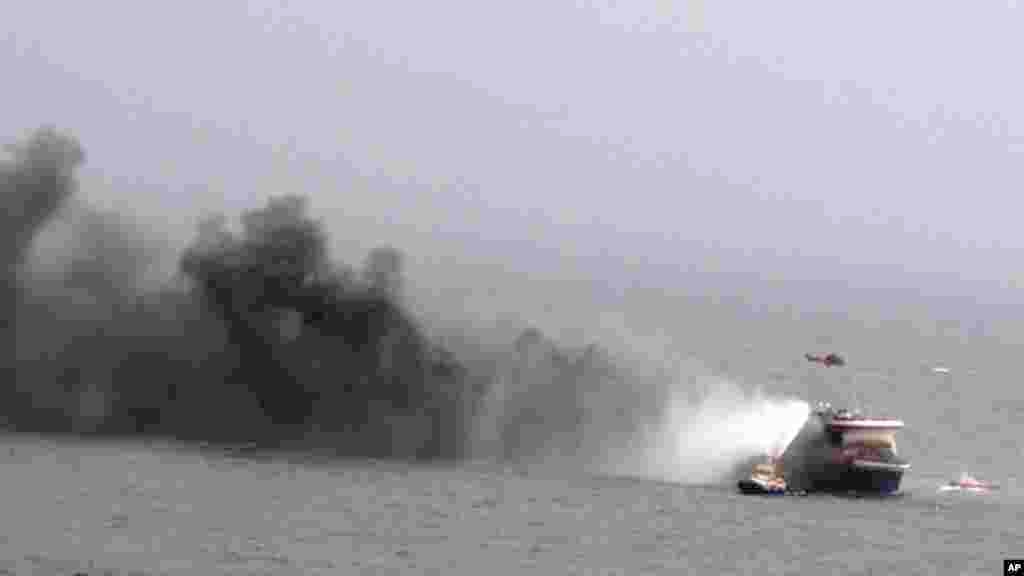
x: 843, y: 451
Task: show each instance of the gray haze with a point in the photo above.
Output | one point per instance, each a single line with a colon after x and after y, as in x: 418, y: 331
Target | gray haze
x: 548, y: 160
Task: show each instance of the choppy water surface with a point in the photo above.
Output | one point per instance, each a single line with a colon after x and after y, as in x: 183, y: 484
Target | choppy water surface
x: 124, y: 509
x: 159, y: 509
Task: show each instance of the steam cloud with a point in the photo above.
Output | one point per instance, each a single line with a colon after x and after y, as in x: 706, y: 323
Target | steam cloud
x: 263, y: 337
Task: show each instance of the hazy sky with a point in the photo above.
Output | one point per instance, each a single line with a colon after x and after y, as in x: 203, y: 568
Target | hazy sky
x: 779, y: 148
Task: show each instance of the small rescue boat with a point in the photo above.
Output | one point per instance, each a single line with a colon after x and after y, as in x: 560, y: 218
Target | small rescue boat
x: 764, y: 479
x: 827, y: 360
x: 967, y: 483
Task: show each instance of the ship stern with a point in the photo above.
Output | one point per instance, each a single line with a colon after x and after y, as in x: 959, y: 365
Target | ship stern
x: 845, y: 453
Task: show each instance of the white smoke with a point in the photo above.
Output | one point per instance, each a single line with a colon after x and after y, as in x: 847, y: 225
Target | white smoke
x: 664, y: 417
x: 705, y: 426
x: 705, y: 440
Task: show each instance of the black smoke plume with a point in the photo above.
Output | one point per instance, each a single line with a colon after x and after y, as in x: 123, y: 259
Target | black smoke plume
x: 261, y: 337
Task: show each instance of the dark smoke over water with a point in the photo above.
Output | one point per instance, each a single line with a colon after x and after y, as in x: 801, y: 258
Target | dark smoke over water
x: 263, y: 337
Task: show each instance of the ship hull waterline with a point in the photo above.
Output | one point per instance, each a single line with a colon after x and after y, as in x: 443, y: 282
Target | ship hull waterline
x: 860, y: 478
